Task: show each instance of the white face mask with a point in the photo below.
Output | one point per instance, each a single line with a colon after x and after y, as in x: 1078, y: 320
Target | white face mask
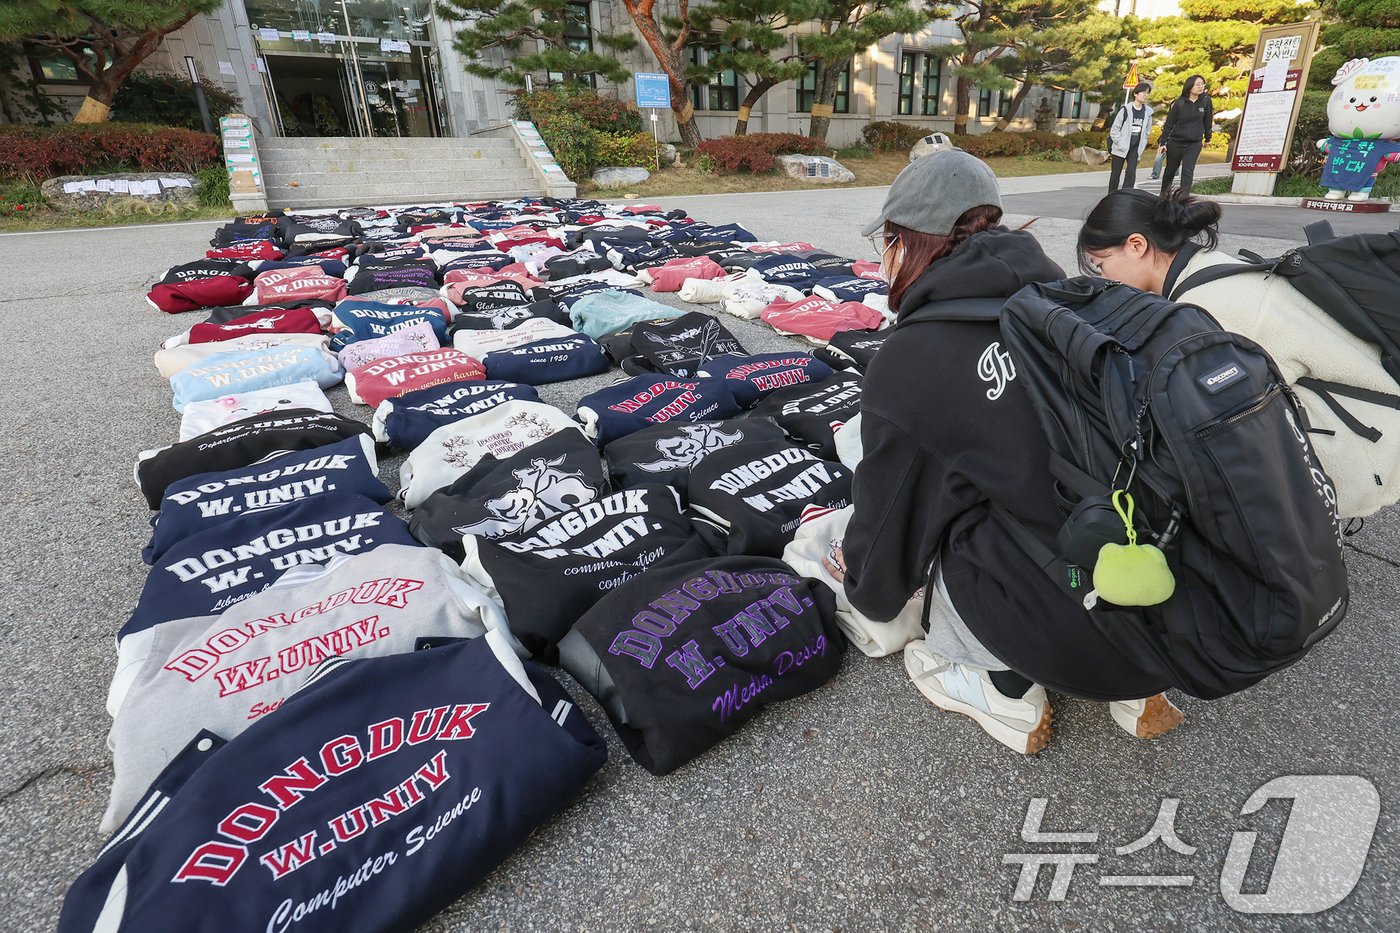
x: 890, y: 259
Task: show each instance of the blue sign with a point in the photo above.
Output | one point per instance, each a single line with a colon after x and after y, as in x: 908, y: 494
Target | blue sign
x: 653, y: 90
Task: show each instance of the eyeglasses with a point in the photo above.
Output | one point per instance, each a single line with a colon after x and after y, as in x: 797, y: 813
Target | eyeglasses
x: 882, y: 241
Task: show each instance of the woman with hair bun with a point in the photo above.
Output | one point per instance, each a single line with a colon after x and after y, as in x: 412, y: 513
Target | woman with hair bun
x: 953, y: 447
x: 1158, y: 244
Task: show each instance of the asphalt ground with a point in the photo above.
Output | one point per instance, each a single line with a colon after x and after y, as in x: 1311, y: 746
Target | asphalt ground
x: 857, y: 807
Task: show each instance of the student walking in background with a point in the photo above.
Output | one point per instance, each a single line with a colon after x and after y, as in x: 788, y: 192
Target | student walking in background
x: 1127, y: 138
x: 1187, y: 129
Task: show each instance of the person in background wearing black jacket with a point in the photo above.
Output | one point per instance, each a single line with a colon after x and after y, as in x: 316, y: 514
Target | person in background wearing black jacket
x: 950, y: 440
x: 1187, y: 129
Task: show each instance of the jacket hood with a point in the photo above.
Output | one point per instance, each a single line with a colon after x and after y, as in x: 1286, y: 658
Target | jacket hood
x: 995, y: 263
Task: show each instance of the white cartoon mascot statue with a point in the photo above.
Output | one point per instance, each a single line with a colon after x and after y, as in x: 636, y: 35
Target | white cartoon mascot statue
x: 1364, y: 117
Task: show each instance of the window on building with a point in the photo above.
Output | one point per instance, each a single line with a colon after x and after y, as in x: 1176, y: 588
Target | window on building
x: 50, y: 67
x: 578, y: 37
x: 984, y: 102
x: 1071, y: 105
x: 907, y: 67
x: 933, y: 86
x: 1003, y: 105
x: 724, y: 87
x: 807, y: 90
x: 697, y: 92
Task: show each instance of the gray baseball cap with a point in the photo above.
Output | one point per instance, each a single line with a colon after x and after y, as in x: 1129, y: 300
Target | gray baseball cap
x: 933, y: 191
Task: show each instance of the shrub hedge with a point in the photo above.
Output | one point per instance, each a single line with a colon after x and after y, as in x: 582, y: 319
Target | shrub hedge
x: 892, y: 136
x: 1000, y: 144
x: 32, y: 153
x: 167, y: 99
x: 583, y: 129
x: 754, y: 152
x: 625, y: 149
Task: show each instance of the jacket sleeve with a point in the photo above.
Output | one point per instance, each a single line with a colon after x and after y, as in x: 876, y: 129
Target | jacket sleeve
x: 1167, y: 126
x: 894, y: 531
x: 1210, y: 119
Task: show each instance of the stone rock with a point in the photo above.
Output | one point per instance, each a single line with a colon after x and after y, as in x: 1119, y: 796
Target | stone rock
x: 615, y: 177
x: 933, y: 142
x: 153, y: 194
x: 669, y: 155
x: 815, y: 168
x: 1088, y: 155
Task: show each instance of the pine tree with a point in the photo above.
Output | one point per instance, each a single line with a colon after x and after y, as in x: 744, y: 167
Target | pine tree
x: 669, y: 37
x: 104, y: 39
x: 973, y: 60
x: 1059, y: 42
x: 846, y: 28
x: 1355, y: 29
x: 1215, y: 39
x: 492, y: 25
x: 750, y: 39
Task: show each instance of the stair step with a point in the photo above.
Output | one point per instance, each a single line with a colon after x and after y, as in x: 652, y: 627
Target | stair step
x: 449, y: 184
x: 389, y: 199
x: 401, y: 195
x: 388, y: 179
x: 395, y: 167
x: 367, y: 142
x: 350, y: 171
x: 322, y: 155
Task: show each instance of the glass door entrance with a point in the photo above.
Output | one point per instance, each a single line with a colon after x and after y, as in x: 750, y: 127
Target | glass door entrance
x: 327, y: 73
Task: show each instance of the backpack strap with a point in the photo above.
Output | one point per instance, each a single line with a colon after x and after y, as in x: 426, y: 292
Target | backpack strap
x: 1326, y: 391
x: 981, y: 310
x: 1216, y: 273
x: 1319, y: 231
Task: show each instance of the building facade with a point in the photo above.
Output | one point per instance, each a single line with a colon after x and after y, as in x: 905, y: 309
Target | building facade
x: 388, y: 68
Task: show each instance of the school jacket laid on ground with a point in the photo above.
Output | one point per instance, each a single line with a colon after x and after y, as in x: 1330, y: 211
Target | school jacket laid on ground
x: 1304, y: 342
x: 394, y: 784
x: 223, y: 672
x: 949, y: 433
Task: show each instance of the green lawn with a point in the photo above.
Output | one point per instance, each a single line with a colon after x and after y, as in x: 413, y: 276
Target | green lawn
x: 870, y: 168
x: 46, y: 218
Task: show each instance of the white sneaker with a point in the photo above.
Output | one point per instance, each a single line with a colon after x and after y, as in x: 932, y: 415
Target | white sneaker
x: 1022, y: 724
x: 1147, y: 718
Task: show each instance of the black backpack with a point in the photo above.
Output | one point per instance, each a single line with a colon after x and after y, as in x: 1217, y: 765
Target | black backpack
x: 1354, y: 280
x: 1140, y: 393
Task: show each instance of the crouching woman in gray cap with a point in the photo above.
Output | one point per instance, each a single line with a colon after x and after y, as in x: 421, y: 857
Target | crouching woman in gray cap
x: 952, y: 448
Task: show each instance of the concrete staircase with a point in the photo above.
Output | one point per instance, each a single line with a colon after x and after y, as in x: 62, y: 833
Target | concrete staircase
x: 348, y: 171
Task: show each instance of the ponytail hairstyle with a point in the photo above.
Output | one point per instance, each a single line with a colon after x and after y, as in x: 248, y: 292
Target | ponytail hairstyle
x: 1191, y: 82
x: 1167, y: 223
x: 920, y: 250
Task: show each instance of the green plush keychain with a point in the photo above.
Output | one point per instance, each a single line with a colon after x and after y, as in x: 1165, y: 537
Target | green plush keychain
x: 1132, y: 574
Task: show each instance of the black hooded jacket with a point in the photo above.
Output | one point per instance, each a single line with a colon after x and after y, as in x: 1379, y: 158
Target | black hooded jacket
x: 948, y: 431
